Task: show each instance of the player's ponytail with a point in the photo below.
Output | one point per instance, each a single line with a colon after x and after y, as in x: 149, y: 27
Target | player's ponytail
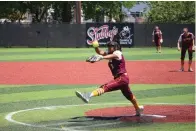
x: 118, y: 46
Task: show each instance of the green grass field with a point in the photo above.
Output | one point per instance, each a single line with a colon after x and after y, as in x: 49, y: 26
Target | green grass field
x: 75, y: 54
x: 66, y: 105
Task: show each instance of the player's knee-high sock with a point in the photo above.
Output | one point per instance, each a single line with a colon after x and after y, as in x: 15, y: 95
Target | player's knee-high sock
x: 190, y: 63
x: 182, y: 64
x: 134, y: 102
x: 130, y: 96
x: 97, y: 92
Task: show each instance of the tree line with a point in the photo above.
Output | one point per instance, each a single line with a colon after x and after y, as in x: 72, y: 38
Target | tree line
x: 160, y: 11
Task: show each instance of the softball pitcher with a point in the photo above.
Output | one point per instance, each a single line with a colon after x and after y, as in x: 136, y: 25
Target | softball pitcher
x: 117, y: 66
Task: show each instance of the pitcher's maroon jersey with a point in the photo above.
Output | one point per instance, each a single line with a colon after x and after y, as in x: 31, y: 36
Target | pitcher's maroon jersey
x: 117, y: 66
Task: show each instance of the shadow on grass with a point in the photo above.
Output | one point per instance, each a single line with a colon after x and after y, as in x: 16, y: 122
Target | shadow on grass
x: 103, y: 122
x: 86, y: 123
x: 127, y: 118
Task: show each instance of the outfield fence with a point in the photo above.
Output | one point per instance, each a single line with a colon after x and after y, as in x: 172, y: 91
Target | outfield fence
x: 80, y: 35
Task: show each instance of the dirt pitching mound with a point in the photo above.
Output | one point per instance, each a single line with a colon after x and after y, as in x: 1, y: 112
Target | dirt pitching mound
x: 152, y: 113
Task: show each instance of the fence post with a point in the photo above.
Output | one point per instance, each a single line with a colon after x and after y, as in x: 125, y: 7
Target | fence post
x: 146, y: 32
x: 47, y: 43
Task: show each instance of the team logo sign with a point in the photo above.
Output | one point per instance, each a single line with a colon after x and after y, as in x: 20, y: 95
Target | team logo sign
x: 102, y: 32
x: 125, y: 36
x: 108, y: 31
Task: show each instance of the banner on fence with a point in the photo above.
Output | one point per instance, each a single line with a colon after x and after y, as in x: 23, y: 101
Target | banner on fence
x: 104, y: 32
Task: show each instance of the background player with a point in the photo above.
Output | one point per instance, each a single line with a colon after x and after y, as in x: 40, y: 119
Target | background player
x: 121, y: 80
x: 187, y: 41
x: 157, y: 38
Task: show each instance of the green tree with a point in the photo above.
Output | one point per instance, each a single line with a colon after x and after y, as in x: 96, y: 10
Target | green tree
x: 38, y: 9
x: 171, y: 11
x: 63, y: 11
x: 12, y: 10
x: 97, y: 9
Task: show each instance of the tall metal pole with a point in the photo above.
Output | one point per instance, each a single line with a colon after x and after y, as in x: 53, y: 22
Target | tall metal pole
x: 78, y: 12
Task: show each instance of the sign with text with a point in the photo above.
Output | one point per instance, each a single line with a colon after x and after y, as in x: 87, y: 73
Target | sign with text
x: 104, y: 32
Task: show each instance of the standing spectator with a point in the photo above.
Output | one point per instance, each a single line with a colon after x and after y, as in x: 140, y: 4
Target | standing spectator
x: 157, y: 38
x: 187, y: 42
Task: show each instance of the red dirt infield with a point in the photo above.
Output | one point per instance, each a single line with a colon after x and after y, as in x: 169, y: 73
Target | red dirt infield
x: 140, y: 72
x: 173, y: 113
x: 145, y: 72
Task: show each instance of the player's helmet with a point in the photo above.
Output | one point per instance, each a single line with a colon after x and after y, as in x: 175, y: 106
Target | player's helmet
x: 116, y: 45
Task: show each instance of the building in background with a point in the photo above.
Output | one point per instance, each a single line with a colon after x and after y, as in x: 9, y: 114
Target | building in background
x: 136, y: 14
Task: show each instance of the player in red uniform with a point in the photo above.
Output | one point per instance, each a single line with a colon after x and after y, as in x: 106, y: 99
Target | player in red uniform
x: 187, y: 42
x: 121, y: 80
x: 157, y: 38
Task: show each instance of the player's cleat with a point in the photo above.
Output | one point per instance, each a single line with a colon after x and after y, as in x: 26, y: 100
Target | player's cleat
x: 84, y: 96
x: 190, y: 70
x: 181, y: 70
x: 140, y: 111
